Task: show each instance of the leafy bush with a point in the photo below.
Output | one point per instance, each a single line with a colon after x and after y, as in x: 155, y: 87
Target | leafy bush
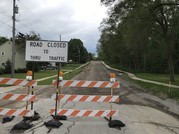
x: 21, y: 70
x: 7, y: 67
x: 1, y: 71
x: 30, y: 65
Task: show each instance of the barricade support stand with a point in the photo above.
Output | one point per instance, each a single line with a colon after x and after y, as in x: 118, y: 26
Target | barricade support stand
x: 114, y: 123
x: 30, y: 77
x: 91, y: 113
x: 55, y: 123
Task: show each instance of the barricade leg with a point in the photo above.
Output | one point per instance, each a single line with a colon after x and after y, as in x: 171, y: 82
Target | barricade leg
x: 30, y: 77
x: 55, y: 121
x: 114, y: 123
x: 28, y: 92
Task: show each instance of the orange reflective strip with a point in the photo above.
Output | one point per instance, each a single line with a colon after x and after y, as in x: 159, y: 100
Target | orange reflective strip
x: 52, y: 110
x: 68, y: 83
x: 84, y: 98
x: 21, y: 97
x: 62, y: 112
x: 7, y: 96
x: 117, y: 100
x: 111, y: 113
x: 30, y: 83
x: 96, y: 98
x: 115, y: 85
x: 87, y: 113
x: 75, y: 113
x: 92, y: 84
x: 23, y: 113
x: 5, y: 80
x: 71, y: 98
x: 80, y: 83
x: 99, y: 113
x: 55, y: 83
x: 107, y: 99
x: 10, y: 112
x: 32, y: 98
x: 1, y: 109
x: 17, y: 82
x: 104, y: 84
x: 60, y: 96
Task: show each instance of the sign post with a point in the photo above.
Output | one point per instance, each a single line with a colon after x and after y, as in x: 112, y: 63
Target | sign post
x: 48, y: 51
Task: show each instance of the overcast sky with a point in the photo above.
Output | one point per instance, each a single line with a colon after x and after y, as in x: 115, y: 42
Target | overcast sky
x: 50, y: 18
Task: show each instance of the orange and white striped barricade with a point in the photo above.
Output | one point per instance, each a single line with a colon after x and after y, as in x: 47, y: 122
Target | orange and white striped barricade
x: 86, y: 98
x: 17, y: 82
x: 86, y: 113
x: 16, y: 112
x: 17, y: 97
x: 89, y: 84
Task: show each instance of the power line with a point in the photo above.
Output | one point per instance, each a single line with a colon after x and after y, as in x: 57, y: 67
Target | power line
x: 2, y: 22
x: 26, y: 7
x: 5, y: 14
x: 29, y: 27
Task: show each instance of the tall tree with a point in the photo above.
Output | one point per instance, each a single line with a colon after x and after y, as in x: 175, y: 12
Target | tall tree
x: 142, y: 24
x: 77, y: 52
x: 3, y: 40
x: 21, y: 39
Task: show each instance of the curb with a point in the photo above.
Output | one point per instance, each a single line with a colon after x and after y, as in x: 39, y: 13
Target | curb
x: 64, y: 73
x: 132, y: 76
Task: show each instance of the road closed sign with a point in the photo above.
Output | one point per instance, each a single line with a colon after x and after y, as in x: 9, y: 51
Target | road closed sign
x: 46, y: 51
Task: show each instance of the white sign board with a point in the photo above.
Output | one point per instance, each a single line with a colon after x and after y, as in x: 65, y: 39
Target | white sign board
x: 47, y: 51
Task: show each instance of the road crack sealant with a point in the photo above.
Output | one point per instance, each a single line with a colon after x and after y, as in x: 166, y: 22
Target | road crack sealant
x: 165, y: 126
x: 69, y: 127
x: 170, y: 128
x: 73, y: 122
x: 37, y: 123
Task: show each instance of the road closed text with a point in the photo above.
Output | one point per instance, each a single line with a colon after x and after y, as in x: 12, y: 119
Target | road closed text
x: 47, y: 51
x: 49, y: 44
x: 32, y: 57
x: 56, y: 58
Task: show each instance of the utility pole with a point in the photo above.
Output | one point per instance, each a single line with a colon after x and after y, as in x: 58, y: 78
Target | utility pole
x: 79, y: 55
x: 15, y: 11
x: 60, y: 37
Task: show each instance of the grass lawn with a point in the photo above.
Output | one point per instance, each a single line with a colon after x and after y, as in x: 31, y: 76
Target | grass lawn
x: 37, y: 75
x: 158, y: 77
x: 65, y: 77
x: 149, y: 76
x: 70, y: 66
x: 153, y: 88
x: 159, y: 90
x: 44, y: 73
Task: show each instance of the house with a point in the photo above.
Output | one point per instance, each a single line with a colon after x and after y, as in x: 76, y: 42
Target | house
x: 6, y: 54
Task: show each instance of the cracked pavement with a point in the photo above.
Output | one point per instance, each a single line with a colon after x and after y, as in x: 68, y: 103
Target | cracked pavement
x: 141, y: 112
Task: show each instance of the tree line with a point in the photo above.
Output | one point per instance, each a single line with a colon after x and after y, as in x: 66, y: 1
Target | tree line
x: 142, y: 35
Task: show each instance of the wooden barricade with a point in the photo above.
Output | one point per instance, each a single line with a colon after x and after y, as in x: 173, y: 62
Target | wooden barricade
x: 86, y: 98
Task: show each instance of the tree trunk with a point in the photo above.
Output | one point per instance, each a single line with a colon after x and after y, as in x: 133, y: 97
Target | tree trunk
x: 138, y: 65
x: 145, y: 62
x: 171, y: 69
x: 135, y: 66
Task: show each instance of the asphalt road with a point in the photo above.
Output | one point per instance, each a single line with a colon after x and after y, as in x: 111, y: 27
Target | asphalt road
x: 141, y: 112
